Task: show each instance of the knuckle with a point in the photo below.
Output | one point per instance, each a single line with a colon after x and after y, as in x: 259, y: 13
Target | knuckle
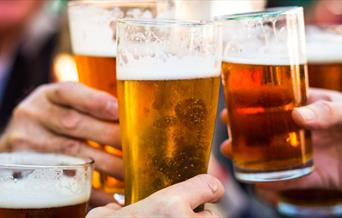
x: 16, y: 138
x: 98, y: 102
x: 325, y: 105
x: 32, y: 105
x: 41, y: 89
x: 112, y: 134
x: 24, y: 110
x: 71, y: 147
x: 37, y: 94
x: 211, y: 186
x: 70, y: 120
x: 327, y: 113
x: 95, y: 104
x: 62, y: 89
x: 205, y: 179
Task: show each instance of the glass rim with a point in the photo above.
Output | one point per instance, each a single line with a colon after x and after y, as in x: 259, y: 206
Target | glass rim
x: 87, y: 161
x: 270, y: 12
x: 159, y: 22
x: 109, y: 3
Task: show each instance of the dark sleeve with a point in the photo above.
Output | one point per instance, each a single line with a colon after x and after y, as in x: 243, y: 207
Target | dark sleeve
x: 25, y: 75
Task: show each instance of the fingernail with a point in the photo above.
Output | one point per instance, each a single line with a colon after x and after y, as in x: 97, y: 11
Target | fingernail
x: 213, y: 186
x: 112, y: 108
x: 306, y: 113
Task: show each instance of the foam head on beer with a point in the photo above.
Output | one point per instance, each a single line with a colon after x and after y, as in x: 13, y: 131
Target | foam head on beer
x: 323, y: 46
x: 93, y: 25
x: 260, y: 40
x: 264, y: 51
x: 173, y: 68
x: 166, y: 55
x: 33, y: 180
x: 91, y: 31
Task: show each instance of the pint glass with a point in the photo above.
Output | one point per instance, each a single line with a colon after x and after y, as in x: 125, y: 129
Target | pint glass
x: 37, y: 185
x: 93, y: 38
x: 264, y: 75
x: 324, y: 52
x: 168, y: 82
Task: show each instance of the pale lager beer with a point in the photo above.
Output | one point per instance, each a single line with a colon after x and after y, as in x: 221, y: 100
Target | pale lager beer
x: 168, y: 82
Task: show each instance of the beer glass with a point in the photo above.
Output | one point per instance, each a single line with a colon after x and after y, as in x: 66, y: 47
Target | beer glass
x: 264, y: 75
x: 93, y: 38
x: 168, y: 82
x: 324, y: 52
x: 37, y: 185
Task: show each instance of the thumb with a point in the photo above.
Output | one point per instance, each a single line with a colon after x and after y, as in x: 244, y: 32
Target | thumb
x: 318, y: 115
x: 195, y: 191
x: 105, y: 211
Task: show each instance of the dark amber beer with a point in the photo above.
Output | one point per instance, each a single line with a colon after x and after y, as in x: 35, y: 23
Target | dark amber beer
x: 37, y: 185
x: 93, y: 36
x: 260, y: 99
x: 324, y: 52
x: 168, y: 99
x: 326, y: 75
x: 264, y: 76
x: 73, y: 211
x: 314, y: 199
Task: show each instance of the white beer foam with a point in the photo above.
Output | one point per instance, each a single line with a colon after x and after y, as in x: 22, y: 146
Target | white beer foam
x: 323, y: 46
x: 324, y: 53
x: 172, y: 68
x: 264, y: 61
x: 40, y: 188
x: 91, y: 30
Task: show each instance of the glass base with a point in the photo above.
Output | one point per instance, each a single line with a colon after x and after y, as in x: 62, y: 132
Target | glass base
x: 119, y: 198
x: 245, y: 176
x: 291, y: 210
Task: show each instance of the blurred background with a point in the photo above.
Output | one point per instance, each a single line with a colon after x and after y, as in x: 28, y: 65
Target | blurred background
x: 35, y: 49
x: 317, y: 12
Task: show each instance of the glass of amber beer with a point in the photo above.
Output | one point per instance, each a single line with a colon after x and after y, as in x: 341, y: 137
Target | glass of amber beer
x: 93, y: 38
x: 168, y: 83
x: 264, y: 75
x: 324, y: 53
x: 37, y: 185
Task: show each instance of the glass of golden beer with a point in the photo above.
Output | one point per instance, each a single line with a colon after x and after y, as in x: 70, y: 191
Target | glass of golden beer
x: 37, y: 185
x: 324, y: 53
x: 168, y: 82
x: 93, y: 38
x: 264, y: 75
